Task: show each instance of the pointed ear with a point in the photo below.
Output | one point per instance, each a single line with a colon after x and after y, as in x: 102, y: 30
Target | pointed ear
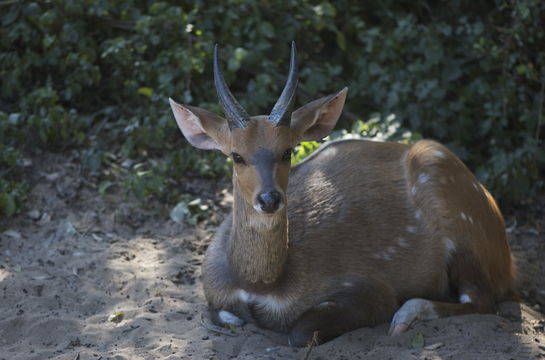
x: 203, y: 129
x: 315, y: 120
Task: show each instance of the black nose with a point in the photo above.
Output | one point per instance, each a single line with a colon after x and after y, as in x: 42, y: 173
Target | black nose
x: 269, y: 201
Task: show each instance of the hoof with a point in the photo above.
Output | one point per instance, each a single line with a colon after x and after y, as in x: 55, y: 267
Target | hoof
x: 303, y: 339
x: 396, y: 329
x: 228, y: 318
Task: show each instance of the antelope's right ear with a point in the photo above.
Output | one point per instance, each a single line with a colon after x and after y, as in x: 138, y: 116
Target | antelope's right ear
x: 203, y: 129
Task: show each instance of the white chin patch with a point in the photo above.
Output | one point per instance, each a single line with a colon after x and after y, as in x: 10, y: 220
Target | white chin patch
x: 258, y: 208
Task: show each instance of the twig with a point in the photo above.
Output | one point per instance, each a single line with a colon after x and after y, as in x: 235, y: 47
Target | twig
x: 130, y: 329
x: 313, y: 342
x: 119, y: 24
x: 219, y: 331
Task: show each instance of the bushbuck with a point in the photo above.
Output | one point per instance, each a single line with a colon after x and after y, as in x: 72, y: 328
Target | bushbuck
x: 359, y: 233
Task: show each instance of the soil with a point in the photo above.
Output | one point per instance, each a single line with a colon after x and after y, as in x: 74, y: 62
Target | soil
x: 85, y: 276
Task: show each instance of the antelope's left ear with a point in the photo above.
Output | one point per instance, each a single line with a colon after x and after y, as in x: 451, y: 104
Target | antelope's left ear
x: 315, y: 120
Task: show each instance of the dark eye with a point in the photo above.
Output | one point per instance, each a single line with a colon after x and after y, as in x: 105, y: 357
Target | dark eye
x: 287, y: 154
x: 237, y: 158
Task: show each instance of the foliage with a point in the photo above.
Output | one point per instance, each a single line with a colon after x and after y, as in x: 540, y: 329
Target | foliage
x: 96, y: 76
x: 375, y: 128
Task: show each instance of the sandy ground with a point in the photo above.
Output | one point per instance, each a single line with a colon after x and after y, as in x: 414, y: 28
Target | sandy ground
x: 74, y: 259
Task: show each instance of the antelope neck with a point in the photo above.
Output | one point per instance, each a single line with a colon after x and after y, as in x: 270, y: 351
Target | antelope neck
x: 258, y: 247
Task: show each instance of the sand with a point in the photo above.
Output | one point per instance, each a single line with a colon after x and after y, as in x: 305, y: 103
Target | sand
x: 72, y: 260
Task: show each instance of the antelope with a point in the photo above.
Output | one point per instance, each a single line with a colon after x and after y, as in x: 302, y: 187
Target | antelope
x: 358, y: 234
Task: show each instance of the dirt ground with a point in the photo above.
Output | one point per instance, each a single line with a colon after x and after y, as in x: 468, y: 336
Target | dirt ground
x: 84, y: 276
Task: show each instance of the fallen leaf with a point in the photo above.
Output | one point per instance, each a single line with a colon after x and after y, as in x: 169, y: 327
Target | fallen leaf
x: 418, y: 341
x: 44, y: 219
x: 232, y: 327
x: 179, y: 212
x: 116, y: 317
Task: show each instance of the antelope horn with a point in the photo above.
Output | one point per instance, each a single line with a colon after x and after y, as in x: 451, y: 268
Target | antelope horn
x: 281, y: 112
x: 234, y: 112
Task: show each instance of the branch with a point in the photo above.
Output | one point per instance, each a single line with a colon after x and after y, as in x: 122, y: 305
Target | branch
x: 540, y: 108
x: 118, y: 24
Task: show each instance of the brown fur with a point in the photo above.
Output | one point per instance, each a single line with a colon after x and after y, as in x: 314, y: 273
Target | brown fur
x: 348, y: 205
x: 366, y: 226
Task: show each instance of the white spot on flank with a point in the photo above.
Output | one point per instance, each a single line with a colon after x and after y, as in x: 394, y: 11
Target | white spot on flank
x: 403, y: 242
x: 229, y: 318
x: 325, y: 304
x: 418, y: 214
x: 470, y: 219
x: 439, y: 154
x: 464, y: 299
x: 463, y: 215
x: 423, y: 178
x: 382, y: 256
x: 347, y: 284
x: 411, y: 229
x: 475, y: 186
x: 413, y: 190
x: 449, y: 244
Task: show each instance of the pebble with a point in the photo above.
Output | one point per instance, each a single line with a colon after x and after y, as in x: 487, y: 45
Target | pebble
x: 53, y: 176
x: 34, y: 214
x: 434, y: 346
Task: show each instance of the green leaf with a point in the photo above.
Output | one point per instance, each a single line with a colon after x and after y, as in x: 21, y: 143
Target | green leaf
x: 7, y: 204
x: 341, y: 41
x: 180, y: 212
x: 116, y: 317
x: 146, y: 91
x: 104, y: 185
x: 266, y: 29
x: 10, y: 16
x: 418, y: 341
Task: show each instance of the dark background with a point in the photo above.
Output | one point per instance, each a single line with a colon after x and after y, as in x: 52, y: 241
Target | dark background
x: 92, y: 78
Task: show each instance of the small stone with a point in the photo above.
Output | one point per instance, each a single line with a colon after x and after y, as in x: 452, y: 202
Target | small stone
x: 53, y: 176
x: 34, y: 214
x: 13, y: 234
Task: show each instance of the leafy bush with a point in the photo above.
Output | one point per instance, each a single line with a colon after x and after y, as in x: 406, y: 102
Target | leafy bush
x: 96, y: 75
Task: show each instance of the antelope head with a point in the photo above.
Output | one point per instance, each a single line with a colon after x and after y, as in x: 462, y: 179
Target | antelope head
x: 260, y: 146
